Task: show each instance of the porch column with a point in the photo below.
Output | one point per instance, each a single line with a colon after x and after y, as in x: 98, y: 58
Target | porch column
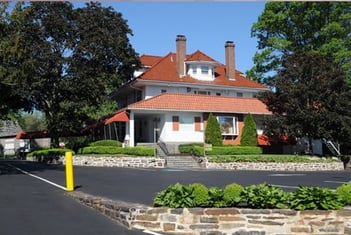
x: 131, y: 130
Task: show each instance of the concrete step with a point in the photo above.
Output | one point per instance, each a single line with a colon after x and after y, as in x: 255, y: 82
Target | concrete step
x: 182, y: 162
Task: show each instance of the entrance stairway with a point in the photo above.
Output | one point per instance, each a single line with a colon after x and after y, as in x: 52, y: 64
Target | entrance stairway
x: 182, y: 162
x: 332, y: 147
x: 175, y: 160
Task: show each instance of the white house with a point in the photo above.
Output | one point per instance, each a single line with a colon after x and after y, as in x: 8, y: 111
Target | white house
x: 169, y: 99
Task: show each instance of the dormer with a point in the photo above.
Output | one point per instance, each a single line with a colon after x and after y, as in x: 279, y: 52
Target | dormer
x: 200, y: 66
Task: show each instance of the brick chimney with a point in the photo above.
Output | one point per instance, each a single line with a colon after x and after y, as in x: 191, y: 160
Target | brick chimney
x: 181, y: 54
x: 230, y: 60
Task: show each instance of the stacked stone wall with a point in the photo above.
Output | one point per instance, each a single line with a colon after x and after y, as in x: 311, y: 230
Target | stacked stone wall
x: 152, y: 162
x: 221, y: 221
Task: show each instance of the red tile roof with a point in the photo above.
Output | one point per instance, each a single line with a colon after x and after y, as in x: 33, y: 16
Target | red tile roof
x: 149, y: 60
x: 201, y: 103
x: 165, y: 70
x: 199, y: 56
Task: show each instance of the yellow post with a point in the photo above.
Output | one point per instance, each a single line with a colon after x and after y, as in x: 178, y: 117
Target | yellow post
x: 69, y: 172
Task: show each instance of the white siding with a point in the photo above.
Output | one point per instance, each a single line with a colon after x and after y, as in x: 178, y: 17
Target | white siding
x: 186, y: 131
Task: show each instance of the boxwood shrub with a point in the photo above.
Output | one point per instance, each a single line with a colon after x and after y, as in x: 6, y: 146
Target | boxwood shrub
x: 106, y: 143
x: 136, y: 151
x: 48, y: 155
x: 197, y: 150
x: 49, y: 152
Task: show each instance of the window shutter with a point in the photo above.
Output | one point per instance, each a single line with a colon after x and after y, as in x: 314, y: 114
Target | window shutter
x: 197, y: 121
x: 175, y: 121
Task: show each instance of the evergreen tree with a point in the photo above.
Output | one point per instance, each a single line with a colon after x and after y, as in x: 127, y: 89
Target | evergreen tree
x: 213, y: 133
x: 249, y: 132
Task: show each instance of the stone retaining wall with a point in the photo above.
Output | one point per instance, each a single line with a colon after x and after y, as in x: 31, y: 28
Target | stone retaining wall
x: 134, y: 162
x: 221, y: 221
x: 272, y: 166
x: 151, y: 162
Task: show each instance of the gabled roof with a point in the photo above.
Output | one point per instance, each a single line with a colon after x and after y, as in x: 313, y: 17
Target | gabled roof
x: 165, y: 70
x: 9, y: 129
x: 201, y: 103
x: 149, y: 60
x: 199, y: 56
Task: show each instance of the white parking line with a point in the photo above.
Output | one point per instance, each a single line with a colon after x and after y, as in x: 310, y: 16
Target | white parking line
x: 150, y: 232
x: 287, y: 175
x: 37, y: 177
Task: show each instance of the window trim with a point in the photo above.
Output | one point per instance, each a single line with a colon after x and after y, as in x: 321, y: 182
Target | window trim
x: 234, y: 124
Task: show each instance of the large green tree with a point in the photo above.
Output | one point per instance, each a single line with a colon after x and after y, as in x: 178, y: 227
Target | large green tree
x: 67, y: 61
x: 286, y: 27
x: 11, y: 101
x: 312, y: 99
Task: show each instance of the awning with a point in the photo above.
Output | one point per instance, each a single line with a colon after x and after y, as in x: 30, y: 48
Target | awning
x: 32, y: 135
x: 117, y: 117
x: 264, y: 140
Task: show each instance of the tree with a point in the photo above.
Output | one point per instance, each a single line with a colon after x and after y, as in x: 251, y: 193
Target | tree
x: 213, y: 133
x: 249, y: 131
x: 311, y: 100
x: 32, y: 121
x: 67, y: 61
x: 11, y: 101
x: 286, y: 27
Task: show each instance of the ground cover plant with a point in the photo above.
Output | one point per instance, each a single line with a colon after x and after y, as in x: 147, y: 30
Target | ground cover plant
x: 261, y: 196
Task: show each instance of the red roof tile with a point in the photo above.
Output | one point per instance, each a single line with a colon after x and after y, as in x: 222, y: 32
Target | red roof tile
x: 165, y: 70
x: 199, y: 56
x: 149, y: 60
x: 201, y: 103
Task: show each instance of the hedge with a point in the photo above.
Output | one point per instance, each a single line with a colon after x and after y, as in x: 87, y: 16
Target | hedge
x: 137, y: 151
x: 49, y: 152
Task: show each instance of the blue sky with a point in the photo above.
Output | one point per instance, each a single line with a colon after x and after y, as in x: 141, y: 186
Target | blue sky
x: 206, y: 25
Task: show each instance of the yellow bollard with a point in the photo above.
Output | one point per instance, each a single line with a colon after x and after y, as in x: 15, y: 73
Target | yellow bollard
x: 69, y: 172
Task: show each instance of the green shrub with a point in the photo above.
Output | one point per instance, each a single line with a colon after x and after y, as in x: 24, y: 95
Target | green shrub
x: 216, y: 197
x: 200, y: 195
x: 232, y: 194
x: 175, y: 196
x: 265, y: 158
x: 265, y: 196
x: 235, y: 150
x: 249, y: 132
x: 344, y: 192
x: 106, y: 143
x: 136, y: 151
x: 314, y: 198
x: 49, y: 152
x: 213, y: 133
x: 188, y: 148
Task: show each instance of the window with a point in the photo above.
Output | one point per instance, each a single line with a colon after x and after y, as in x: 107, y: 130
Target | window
x: 202, y: 92
x: 163, y: 91
x: 175, y: 122
x: 204, y: 69
x: 194, y: 68
x: 218, y: 94
x: 229, y: 125
x: 239, y: 94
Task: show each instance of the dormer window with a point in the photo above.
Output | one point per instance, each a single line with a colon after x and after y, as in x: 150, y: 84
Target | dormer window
x: 201, y: 70
x: 205, y: 69
x: 193, y: 69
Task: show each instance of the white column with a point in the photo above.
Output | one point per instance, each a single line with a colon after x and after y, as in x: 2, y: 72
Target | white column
x: 131, y: 130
